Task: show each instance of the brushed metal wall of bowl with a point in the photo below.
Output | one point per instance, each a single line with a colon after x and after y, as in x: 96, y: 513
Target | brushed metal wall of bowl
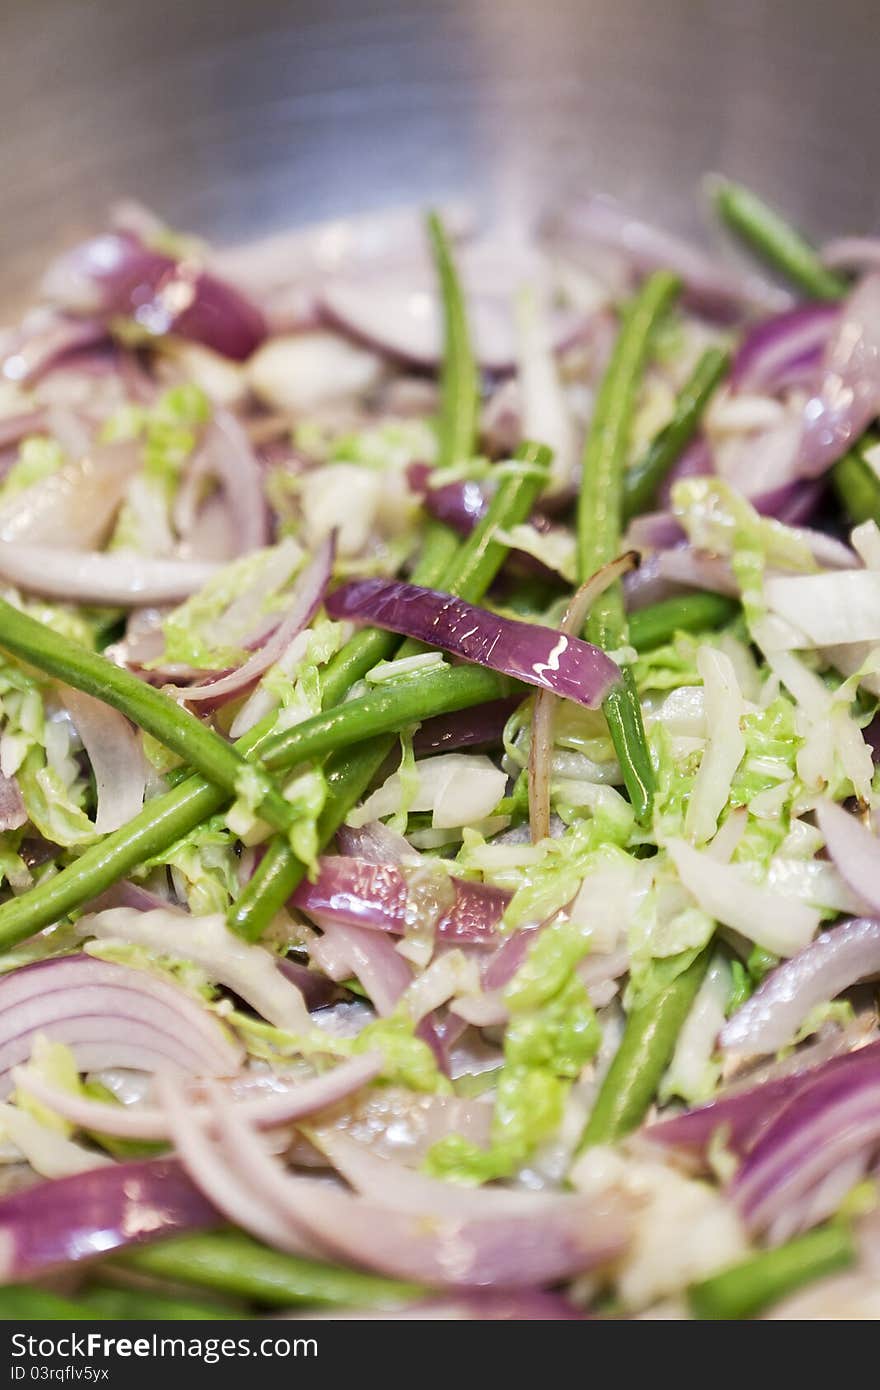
x: 238, y: 116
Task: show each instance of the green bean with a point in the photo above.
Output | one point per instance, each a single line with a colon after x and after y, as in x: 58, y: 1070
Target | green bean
x: 640, y: 483
x: 176, y: 813
x: 23, y: 1302
x: 114, y: 1302
x: 600, y: 519
x: 771, y: 238
x: 459, y: 382
x: 393, y: 705
x: 174, y: 727
x: 857, y: 485
x: 456, y: 436
x: 751, y: 1286
x: 645, y: 1050
x: 230, y: 1263
x: 651, y: 627
x: 472, y: 570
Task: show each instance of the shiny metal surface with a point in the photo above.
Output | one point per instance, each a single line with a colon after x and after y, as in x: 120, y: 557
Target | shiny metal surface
x: 237, y: 117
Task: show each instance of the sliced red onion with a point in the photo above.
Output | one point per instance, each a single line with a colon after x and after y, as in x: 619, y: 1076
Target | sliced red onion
x: 849, y: 395
x: 116, y: 275
x: 543, y: 712
x: 854, y: 850
x: 287, y: 1099
x: 655, y: 531
x: 73, y: 507
x: 669, y: 572
x: 306, y: 257
x: 516, y: 1249
x: 837, y: 959
x: 399, y: 1188
x: 830, y: 1120
x: 304, y: 600
x: 213, y: 1165
x: 475, y: 916
x: 250, y: 971
x: 401, y: 319
x: 710, y: 286
x: 317, y: 991
x: 742, y: 1115
x: 15, y: 428
x: 399, y: 312
x: 107, y: 580
x: 116, y: 754
x: 459, y: 505
x: 359, y: 893
x: 793, y: 504
x: 538, y: 655
x: 355, y: 893
x: 852, y: 253
x: 13, y: 812
x: 55, y: 1224
x: 784, y: 350
x: 226, y: 455
x: 695, y: 462
x: 344, y: 951
x: 35, y: 352
x: 375, y: 842
x: 109, y: 1015
x: 511, y: 954
x: 480, y: 727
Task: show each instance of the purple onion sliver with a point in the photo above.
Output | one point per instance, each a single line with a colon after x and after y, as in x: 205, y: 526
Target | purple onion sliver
x: 837, y: 959
x: 745, y: 1114
x: 779, y: 349
x: 479, y: 727
x: 848, y: 398
x: 695, y: 462
x: 540, y: 656
x: 55, y: 1224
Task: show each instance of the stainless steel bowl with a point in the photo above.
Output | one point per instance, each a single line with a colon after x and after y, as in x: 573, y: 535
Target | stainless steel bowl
x: 233, y: 118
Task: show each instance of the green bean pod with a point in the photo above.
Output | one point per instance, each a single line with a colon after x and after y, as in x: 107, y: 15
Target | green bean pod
x: 233, y: 1264
x: 644, y: 1053
x: 642, y: 480
x: 774, y: 241
x: 600, y: 517
x: 746, y: 1289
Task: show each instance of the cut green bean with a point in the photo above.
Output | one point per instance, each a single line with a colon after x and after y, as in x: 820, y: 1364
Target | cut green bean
x: 652, y: 626
x: 116, y: 1303
x: 456, y: 438
x: 600, y: 518
x: 400, y: 703
x: 459, y: 382
x: 774, y: 241
x: 472, y: 570
x: 857, y: 485
x: 24, y: 1303
x: 174, y: 727
x: 645, y: 1051
x: 746, y: 1289
x: 229, y: 1263
x: 641, y: 482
